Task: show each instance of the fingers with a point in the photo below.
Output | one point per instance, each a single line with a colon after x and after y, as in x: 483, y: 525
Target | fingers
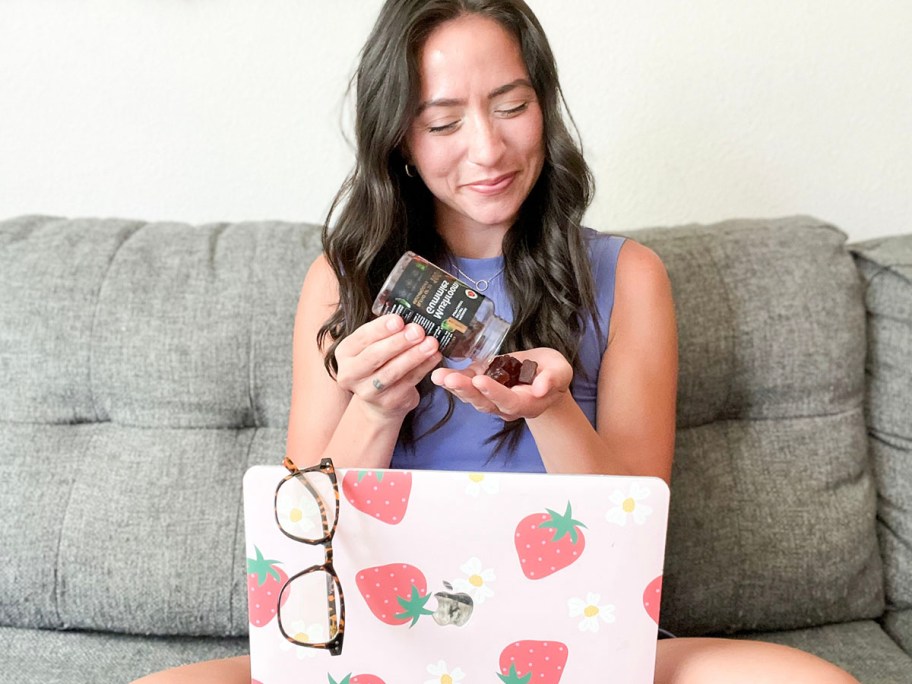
x: 543, y: 383
x: 392, y: 390
x: 451, y: 378
x: 371, y: 332
x: 488, y: 396
x: 509, y: 401
x: 461, y: 384
x: 375, y: 342
x: 414, y: 376
x: 381, y: 352
x: 407, y: 367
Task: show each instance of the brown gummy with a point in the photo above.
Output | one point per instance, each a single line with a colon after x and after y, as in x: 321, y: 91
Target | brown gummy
x: 507, y: 370
x: 527, y: 372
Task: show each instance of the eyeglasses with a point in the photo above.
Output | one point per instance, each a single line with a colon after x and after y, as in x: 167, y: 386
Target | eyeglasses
x: 311, y: 607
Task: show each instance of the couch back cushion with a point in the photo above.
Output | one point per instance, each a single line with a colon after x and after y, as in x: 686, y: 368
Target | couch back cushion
x: 145, y: 366
x: 886, y: 266
x: 773, y: 502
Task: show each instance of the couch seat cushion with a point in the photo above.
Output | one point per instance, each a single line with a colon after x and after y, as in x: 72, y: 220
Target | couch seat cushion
x: 39, y: 656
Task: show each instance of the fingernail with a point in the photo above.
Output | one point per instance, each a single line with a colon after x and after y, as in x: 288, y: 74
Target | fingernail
x: 393, y: 323
x: 413, y: 333
x: 428, y: 345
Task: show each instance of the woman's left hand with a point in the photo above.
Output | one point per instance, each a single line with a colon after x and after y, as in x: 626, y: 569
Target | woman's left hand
x: 551, y: 384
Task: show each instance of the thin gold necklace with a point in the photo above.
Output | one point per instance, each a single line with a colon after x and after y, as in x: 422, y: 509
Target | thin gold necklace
x: 482, y: 283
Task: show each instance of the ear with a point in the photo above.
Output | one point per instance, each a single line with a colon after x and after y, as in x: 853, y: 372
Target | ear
x: 405, y: 154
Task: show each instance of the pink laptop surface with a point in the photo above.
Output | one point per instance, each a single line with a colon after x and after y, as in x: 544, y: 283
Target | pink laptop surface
x: 453, y: 577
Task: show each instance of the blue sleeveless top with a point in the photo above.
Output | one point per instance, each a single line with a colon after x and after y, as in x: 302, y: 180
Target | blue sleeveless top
x: 461, y: 444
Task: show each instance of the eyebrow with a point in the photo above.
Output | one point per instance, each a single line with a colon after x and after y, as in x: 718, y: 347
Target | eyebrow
x: 452, y: 102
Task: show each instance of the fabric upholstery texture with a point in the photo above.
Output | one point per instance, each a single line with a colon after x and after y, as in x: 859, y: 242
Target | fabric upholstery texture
x: 886, y: 267
x: 772, y: 522
x: 152, y: 361
x: 49, y: 657
x: 898, y: 624
x: 145, y: 366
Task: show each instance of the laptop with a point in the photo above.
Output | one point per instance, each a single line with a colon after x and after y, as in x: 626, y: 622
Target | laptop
x: 442, y: 577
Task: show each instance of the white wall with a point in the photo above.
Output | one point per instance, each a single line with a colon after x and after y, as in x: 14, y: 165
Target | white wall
x: 206, y: 110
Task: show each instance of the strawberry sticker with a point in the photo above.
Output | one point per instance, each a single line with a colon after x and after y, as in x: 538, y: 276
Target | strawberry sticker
x: 652, y: 598
x: 395, y: 593
x: 358, y: 679
x: 548, y: 542
x: 383, y: 495
x: 264, y: 582
x: 533, y: 662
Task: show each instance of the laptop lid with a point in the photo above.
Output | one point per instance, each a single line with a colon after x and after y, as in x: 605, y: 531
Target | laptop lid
x: 441, y: 577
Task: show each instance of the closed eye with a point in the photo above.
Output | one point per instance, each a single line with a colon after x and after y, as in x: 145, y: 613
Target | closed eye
x: 503, y: 113
x: 444, y: 128
x: 519, y: 109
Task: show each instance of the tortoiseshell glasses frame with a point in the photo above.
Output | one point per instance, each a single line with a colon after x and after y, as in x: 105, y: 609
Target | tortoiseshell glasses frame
x: 333, y: 585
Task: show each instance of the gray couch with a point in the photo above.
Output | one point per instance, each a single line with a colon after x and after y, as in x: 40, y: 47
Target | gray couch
x: 144, y: 367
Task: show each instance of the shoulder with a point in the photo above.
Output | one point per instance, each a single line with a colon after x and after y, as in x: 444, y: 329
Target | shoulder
x: 318, y: 300
x: 639, y: 264
x: 320, y: 270
x: 639, y: 283
x: 600, y: 245
x: 635, y: 260
x: 320, y: 283
x: 643, y: 288
x: 603, y: 250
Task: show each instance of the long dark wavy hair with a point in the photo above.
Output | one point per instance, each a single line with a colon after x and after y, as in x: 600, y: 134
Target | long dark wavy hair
x: 379, y: 212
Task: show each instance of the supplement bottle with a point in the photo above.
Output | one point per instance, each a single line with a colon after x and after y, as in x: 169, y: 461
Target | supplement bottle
x: 462, y: 320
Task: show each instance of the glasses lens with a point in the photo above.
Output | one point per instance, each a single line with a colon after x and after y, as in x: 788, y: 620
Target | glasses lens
x: 306, y: 506
x: 310, y: 610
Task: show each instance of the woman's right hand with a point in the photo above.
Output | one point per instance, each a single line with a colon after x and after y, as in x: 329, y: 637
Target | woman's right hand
x: 382, y: 362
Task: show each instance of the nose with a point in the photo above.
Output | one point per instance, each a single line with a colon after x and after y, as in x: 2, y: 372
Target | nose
x: 486, y: 144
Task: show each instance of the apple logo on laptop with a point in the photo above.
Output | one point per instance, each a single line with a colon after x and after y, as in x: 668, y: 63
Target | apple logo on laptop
x: 453, y: 608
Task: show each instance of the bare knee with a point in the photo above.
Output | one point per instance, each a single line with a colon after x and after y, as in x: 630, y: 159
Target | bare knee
x: 226, y: 671
x: 697, y: 661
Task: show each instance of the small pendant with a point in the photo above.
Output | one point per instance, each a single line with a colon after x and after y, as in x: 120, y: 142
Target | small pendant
x: 481, y: 285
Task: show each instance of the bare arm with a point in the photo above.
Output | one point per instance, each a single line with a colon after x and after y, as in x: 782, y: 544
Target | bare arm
x: 637, y: 384
x: 635, y: 422
x: 347, y: 418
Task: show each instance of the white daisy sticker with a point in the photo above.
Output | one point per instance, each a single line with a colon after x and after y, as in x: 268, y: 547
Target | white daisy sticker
x: 303, y: 632
x: 477, y: 582
x: 482, y: 483
x: 629, y: 505
x: 592, y: 613
x: 443, y: 674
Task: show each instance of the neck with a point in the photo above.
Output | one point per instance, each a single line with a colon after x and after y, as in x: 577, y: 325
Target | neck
x: 468, y: 239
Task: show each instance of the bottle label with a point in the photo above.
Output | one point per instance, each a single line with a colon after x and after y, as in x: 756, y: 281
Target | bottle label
x: 435, y: 300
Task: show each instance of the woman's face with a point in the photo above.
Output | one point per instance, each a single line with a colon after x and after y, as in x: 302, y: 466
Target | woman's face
x: 477, y: 138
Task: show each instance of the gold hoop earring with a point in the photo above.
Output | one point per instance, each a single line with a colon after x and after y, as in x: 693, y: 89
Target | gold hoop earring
x: 408, y: 172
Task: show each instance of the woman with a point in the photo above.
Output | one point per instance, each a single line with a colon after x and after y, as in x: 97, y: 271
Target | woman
x: 463, y: 157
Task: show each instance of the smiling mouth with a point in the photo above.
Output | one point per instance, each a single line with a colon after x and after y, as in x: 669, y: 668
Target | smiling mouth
x: 492, y: 186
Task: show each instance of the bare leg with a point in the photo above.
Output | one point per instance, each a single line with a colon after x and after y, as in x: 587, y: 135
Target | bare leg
x: 226, y: 671
x: 702, y: 661
x: 678, y: 661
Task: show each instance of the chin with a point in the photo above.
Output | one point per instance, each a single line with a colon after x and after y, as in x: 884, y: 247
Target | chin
x: 502, y: 216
